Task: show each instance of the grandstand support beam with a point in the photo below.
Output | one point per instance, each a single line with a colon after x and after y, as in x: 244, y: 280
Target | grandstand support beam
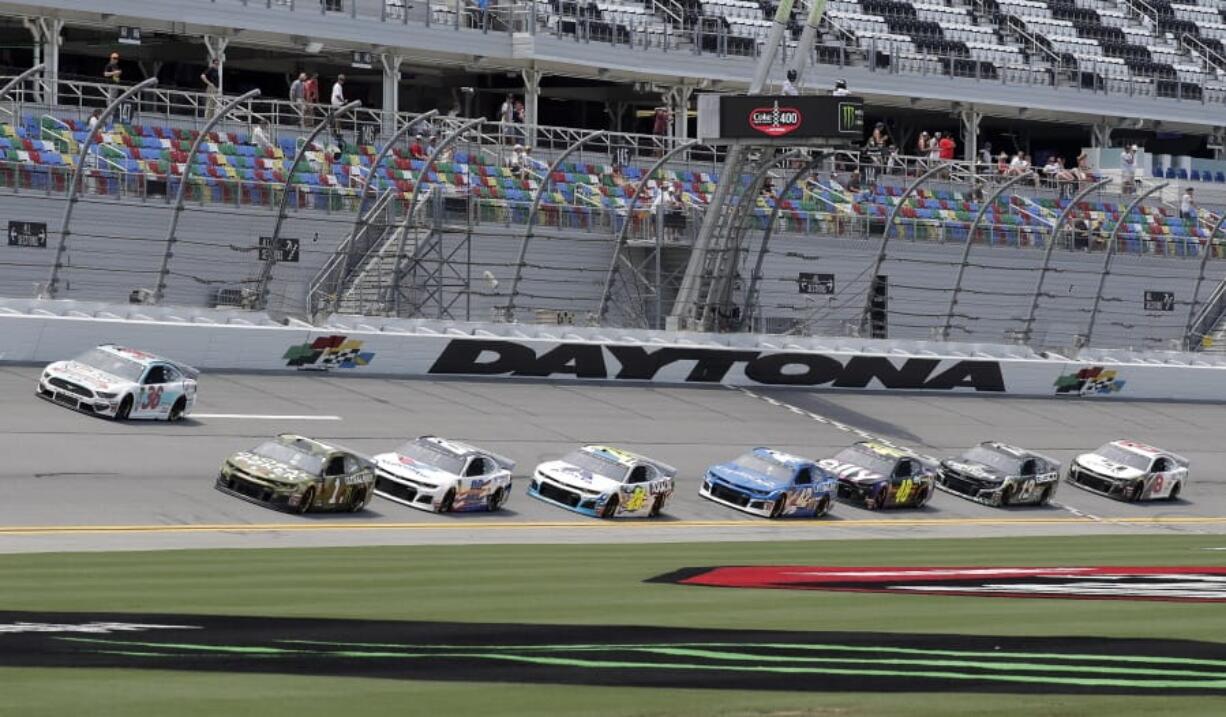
x: 47, y: 42
x: 625, y: 227
x: 678, y: 99
x: 532, y: 212
x: 216, y: 46
x: 532, y: 101
x: 804, y: 48
x: 970, y: 240
x: 970, y: 120
x: 159, y: 290
x: 398, y: 272
x: 265, y: 277
x: 1051, y: 245
x: 1200, y: 279
x: 885, y: 236
x: 1100, y: 135
x: 391, y: 90
x: 751, y: 303
x: 53, y: 286
x: 1110, y: 253
x: 8, y: 86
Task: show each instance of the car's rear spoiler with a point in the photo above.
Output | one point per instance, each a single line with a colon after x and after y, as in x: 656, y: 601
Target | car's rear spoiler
x: 1051, y: 461
x: 190, y: 371
x: 1183, y: 462
x: 664, y: 468
x: 503, y: 462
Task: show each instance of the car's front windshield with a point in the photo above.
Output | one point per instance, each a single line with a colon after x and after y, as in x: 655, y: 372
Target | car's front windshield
x: 111, y: 363
x: 423, y: 452
x: 291, y: 456
x: 1002, y: 462
x: 603, y: 467
x: 1123, y: 456
x: 758, y: 464
x: 866, y: 459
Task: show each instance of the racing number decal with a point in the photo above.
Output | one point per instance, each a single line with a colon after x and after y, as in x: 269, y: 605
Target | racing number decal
x: 904, y: 491
x: 152, y: 398
x: 637, y: 499
x: 1157, y: 487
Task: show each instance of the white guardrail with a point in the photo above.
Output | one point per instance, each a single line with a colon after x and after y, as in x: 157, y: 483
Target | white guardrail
x: 35, y: 331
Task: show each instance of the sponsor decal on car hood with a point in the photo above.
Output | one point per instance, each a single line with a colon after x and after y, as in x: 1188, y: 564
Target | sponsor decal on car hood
x: 1179, y: 584
x: 975, y: 470
x: 262, y: 467
x: 407, y: 467
x: 850, y: 471
x: 1111, y: 469
x: 744, y: 478
x: 86, y: 375
x: 578, y: 478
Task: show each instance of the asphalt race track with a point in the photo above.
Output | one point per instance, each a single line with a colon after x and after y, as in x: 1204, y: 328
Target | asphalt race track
x: 69, y: 481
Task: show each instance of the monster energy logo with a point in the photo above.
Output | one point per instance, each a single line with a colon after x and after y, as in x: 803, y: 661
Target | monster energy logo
x: 850, y: 117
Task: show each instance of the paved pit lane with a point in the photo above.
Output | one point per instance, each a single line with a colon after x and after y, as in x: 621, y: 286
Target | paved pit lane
x: 69, y: 481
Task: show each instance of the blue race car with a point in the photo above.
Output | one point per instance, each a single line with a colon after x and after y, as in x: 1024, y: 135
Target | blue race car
x: 771, y: 484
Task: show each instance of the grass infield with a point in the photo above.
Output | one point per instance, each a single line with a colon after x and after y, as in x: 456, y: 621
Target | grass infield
x: 577, y: 584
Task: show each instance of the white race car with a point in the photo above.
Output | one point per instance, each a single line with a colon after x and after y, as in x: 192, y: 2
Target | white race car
x: 604, y: 482
x: 443, y: 476
x: 1128, y: 470
x: 121, y: 383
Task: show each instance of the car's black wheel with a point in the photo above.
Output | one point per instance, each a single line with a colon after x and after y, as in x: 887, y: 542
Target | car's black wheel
x: 497, y: 499
x: 1138, y: 490
x: 1175, y: 491
x: 1044, y: 496
x: 823, y: 507
x: 880, y: 496
x: 357, y: 500
x: 777, y: 508
x: 610, y: 507
x: 176, y: 411
x: 657, y: 505
x: 448, y: 502
x: 124, y: 410
x: 308, y: 497
x: 921, y: 497
x: 1006, y: 495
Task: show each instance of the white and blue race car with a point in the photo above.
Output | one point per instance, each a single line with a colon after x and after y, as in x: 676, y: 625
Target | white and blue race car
x: 443, y: 476
x: 121, y: 383
x: 604, y: 482
x: 771, y: 484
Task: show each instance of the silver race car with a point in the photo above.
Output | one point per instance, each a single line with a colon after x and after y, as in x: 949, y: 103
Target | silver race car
x: 121, y: 383
x: 442, y: 476
x: 1128, y: 470
x: 999, y: 474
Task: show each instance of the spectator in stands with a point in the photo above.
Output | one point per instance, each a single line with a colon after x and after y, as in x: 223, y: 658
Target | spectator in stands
x: 93, y: 120
x: 789, y: 85
x: 1002, y: 164
x: 297, y: 97
x: 310, y: 90
x: 1128, y: 169
x: 211, y: 77
x: 659, y: 127
x: 112, y: 74
x: 1019, y: 165
x: 840, y: 89
x: 924, y: 145
x: 1083, y: 172
x: 480, y: 18
x: 506, y: 120
x: 946, y: 147
x: 516, y: 161
x: 431, y: 145
x: 934, y: 147
x: 985, y: 154
x: 1187, y: 205
x: 259, y: 137
x: 1051, y: 169
x: 417, y: 150
x: 532, y: 163
x: 338, y: 101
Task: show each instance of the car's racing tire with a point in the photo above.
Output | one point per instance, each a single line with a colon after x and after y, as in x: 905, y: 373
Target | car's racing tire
x: 1136, y: 491
x: 1175, y: 491
x: 176, y: 411
x: 357, y: 500
x: 447, y: 502
x: 308, y: 497
x: 498, y: 498
x: 880, y: 496
x: 823, y: 507
x: 125, y: 409
x: 657, y: 505
x: 1006, y: 496
x: 921, y: 497
x: 777, y: 508
x: 610, y: 507
x: 1044, y: 496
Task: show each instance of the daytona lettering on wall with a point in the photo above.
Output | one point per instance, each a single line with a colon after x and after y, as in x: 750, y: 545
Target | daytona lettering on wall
x: 494, y: 357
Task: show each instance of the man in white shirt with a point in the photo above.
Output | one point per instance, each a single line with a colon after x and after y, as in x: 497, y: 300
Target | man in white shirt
x: 259, y: 137
x: 338, y: 101
x: 1187, y: 205
x: 1128, y: 169
x: 297, y: 96
x: 789, y: 85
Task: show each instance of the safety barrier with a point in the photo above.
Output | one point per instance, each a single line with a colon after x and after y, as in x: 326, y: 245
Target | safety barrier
x: 43, y: 331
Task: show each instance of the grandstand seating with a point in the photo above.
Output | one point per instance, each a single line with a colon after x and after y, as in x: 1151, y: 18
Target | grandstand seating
x: 228, y: 169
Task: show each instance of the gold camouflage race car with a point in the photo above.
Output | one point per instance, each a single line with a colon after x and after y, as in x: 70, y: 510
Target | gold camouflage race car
x: 299, y: 475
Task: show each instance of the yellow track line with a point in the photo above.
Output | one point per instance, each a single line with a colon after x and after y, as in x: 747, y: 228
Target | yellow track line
x: 621, y: 525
